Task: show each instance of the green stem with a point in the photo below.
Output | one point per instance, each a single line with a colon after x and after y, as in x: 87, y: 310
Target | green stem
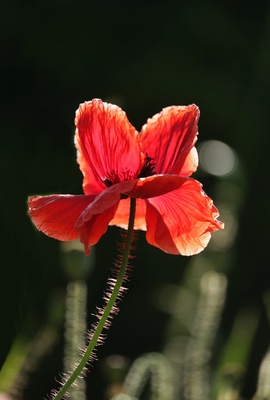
x: 107, y: 310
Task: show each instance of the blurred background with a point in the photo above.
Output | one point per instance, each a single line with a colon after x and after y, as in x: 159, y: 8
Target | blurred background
x: 142, y: 56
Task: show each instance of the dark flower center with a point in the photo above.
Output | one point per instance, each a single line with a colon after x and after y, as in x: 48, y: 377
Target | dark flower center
x: 148, y: 168
x: 107, y: 182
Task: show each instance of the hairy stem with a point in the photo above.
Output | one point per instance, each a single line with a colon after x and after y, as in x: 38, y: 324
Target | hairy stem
x: 107, y: 310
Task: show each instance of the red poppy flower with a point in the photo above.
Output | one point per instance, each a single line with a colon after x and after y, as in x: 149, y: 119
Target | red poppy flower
x: 153, y: 166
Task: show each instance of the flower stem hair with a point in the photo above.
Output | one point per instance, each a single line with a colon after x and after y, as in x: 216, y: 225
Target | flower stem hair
x: 105, y: 315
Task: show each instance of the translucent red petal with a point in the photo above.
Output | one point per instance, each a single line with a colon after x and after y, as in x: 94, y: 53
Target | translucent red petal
x: 180, y: 222
x: 56, y: 215
x: 94, y: 220
x: 155, y: 185
x: 169, y: 139
x: 121, y: 215
x: 108, y: 146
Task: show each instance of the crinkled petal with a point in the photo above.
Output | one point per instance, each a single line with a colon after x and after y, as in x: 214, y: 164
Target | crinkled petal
x: 151, y: 186
x: 56, y: 215
x: 180, y: 222
x: 169, y: 138
x: 155, y: 185
x: 108, y: 146
x: 121, y: 215
x: 94, y: 220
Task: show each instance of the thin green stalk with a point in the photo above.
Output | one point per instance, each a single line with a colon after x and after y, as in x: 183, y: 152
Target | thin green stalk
x: 107, y: 310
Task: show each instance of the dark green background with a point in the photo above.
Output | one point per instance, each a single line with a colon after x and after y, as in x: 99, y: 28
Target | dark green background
x: 142, y: 55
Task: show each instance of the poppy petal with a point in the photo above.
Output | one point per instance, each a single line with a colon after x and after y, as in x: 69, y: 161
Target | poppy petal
x: 94, y: 220
x: 180, y: 222
x: 151, y: 186
x: 108, y: 146
x: 121, y: 215
x: 169, y: 138
x: 56, y: 215
x: 155, y: 185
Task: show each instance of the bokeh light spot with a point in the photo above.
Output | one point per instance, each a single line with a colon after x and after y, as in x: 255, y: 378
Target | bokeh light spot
x: 217, y: 158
